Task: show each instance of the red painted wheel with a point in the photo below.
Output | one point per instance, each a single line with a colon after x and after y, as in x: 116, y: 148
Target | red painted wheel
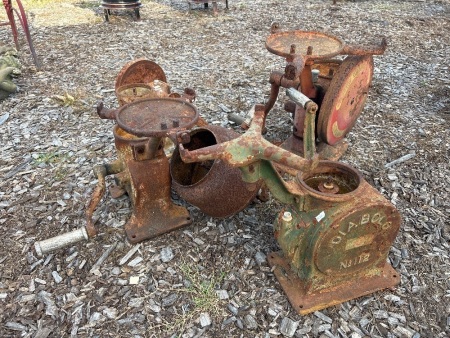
x: 345, y: 98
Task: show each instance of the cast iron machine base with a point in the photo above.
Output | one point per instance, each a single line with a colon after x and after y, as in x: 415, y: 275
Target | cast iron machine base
x: 303, y: 302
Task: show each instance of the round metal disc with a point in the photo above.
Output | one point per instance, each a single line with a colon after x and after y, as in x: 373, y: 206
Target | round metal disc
x: 156, y: 117
x: 140, y: 71
x: 345, y: 98
x: 324, y: 45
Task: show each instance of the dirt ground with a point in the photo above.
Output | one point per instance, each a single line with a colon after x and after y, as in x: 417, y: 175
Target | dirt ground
x: 211, y: 278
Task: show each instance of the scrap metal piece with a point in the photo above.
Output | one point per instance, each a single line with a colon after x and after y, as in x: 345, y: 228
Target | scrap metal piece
x: 140, y: 71
x: 213, y: 186
x: 345, y: 98
x: 154, y: 117
x: 131, y: 92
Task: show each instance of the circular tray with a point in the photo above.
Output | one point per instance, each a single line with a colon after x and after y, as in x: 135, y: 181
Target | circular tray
x: 156, y: 117
x: 324, y: 45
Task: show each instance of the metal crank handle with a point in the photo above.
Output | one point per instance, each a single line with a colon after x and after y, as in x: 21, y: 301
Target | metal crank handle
x: 248, y: 148
x: 60, y: 241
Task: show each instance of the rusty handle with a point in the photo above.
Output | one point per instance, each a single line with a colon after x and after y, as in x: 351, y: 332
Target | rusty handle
x: 106, y: 113
x: 100, y: 171
x: 370, y: 50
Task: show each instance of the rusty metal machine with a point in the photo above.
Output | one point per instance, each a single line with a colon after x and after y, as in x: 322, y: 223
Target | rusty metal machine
x: 335, y: 230
x: 339, y: 87
x: 149, y: 114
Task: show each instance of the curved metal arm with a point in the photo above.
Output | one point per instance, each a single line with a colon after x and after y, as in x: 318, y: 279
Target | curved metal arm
x: 101, y: 171
x: 106, y: 113
x: 247, y: 149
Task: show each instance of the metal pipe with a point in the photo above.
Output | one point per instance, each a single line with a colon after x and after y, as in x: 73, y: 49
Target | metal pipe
x: 60, y: 241
x: 297, y: 97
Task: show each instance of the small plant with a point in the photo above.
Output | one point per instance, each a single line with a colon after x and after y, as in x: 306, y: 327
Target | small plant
x: 201, y: 295
x: 45, y: 159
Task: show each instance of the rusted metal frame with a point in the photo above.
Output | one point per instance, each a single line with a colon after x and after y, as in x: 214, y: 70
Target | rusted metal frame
x: 247, y: 149
x: 309, y: 140
x: 277, y: 80
x: 100, y: 171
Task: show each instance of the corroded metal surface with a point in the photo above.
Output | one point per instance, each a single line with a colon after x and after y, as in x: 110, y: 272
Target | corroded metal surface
x: 131, y: 92
x: 339, y: 88
x: 323, y: 45
x: 213, y: 186
x: 140, y: 71
x: 335, y: 230
x: 345, y: 98
x: 155, y: 117
x: 304, y: 302
x: 248, y: 148
x: 339, y: 235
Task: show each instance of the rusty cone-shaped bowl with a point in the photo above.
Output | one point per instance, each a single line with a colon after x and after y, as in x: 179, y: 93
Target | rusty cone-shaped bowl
x: 215, y: 187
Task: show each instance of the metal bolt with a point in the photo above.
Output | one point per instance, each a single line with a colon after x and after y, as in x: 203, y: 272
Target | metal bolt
x: 309, y: 51
x: 175, y: 123
x: 315, y: 75
x: 328, y: 185
x: 293, y: 49
x: 163, y: 125
x: 287, y: 217
x: 185, y: 138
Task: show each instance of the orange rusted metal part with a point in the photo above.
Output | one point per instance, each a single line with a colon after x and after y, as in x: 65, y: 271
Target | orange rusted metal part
x: 146, y: 179
x: 215, y: 187
x: 140, y: 71
x: 142, y: 168
x: 345, y: 98
x: 323, y: 45
x: 154, y: 117
x: 304, y: 302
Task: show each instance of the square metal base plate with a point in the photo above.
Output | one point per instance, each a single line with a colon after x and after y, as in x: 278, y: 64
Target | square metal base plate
x: 305, y: 303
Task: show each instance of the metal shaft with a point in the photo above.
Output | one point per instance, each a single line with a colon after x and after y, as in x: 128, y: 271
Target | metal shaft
x: 60, y: 241
x: 298, y: 97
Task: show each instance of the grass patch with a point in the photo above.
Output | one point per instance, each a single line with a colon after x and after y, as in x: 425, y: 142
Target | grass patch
x: 201, y: 296
x: 54, y: 159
